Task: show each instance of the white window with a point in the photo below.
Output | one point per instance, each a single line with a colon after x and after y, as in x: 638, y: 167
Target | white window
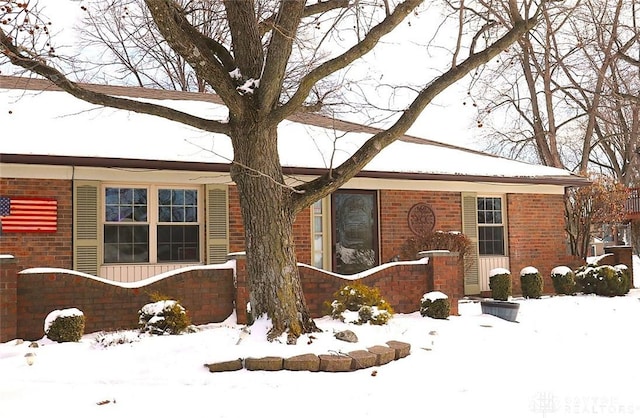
x: 491, y: 226
x: 320, y: 255
x: 152, y: 224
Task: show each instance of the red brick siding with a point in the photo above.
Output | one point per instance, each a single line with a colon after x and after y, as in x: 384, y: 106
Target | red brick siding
x: 394, y: 208
x: 41, y: 249
x: 207, y: 295
x: 536, y: 236
x: 8, y: 299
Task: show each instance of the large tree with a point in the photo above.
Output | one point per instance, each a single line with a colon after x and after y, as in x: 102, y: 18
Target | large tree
x: 265, y: 65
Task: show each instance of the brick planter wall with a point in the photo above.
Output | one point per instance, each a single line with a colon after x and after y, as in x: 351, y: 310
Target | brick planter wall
x: 8, y: 298
x: 207, y: 294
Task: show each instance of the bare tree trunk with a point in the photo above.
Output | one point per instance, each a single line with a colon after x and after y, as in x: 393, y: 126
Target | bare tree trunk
x: 274, y: 280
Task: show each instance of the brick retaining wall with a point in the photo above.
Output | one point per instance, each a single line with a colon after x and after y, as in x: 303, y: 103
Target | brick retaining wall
x: 209, y: 293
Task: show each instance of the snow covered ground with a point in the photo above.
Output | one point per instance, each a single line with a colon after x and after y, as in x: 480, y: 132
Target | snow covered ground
x: 567, y: 356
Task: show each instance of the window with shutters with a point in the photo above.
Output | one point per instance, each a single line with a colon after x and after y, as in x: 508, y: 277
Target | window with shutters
x: 491, y: 227
x: 152, y: 224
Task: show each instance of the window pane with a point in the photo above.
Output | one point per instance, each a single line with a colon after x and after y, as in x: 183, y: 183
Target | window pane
x: 190, y: 214
x: 317, y: 225
x: 140, y: 196
x: 177, y: 197
x: 126, y: 243
x: 177, y: 214
x: 164, y: 214
x: 190, y: 197
x: 164, y: 197
x: 112, y: 214
x: 491, y: 240
x: 126, y: 196
x: 140, y: 213
x: 125, y: 205
x: 178, y: 243
x: 112, y: 196
x: 126, y: 214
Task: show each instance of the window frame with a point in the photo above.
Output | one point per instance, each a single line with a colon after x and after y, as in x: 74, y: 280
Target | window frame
x: 502, y: 224
x: 324, y: 236
x: 153, y: 220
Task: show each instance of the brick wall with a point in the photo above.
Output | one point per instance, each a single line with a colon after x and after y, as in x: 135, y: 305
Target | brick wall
x: 394, y: 209
x: 207, y: 294
x: 40, y: 249
x: 401, y: 284
x: 536, y: 236
x: 8, y: 298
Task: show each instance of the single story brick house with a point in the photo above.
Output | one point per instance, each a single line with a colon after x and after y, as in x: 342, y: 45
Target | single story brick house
x: 129, y: 196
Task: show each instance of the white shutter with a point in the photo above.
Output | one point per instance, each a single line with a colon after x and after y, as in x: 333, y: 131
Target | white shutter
x: 217, y: 228
x: 470, y: 229
x: 86, y: 226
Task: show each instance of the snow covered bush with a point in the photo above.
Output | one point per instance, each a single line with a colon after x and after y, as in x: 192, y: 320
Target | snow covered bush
x: 164, y: 317
x: 108, y: 339
x: 435, y: 305
x: 603, y: 280
x: 531, y: 282
x: 66, y: 325
x: 500, y: 283
x: 564, y: 280
x: 359, y: 304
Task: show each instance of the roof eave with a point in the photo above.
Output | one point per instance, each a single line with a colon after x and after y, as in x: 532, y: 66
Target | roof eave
x: 103, y: 162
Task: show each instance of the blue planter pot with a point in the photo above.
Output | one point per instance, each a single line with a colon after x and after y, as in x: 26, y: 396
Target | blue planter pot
x: 502, y: 309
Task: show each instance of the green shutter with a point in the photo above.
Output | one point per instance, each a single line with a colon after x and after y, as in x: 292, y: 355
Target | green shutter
x: 470, y: 229
x: 86, y: 222
x: 217, y: 228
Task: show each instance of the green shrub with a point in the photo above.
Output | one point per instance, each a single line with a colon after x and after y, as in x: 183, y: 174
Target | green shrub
x: 65, y: 325
x: 361, y: 304
x: 164, y: 317
x: 500, y: 283
x: 531, y: 283
x: 587, y: 278
x: 564, y: 280
x: 435, y: 305
x: 603, y: 280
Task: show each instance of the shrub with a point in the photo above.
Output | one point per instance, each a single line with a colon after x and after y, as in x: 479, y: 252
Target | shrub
x: 564, y: 280
x: 435, y: 305
x: 587, y: 278
x: 108, y: 339
x: 531, y: 283
x: 500, y: 283
x: 359, y: 304
x: 65, y: 325
x: 164, y: 317
x: 603, y: 280
x: 438, y: 240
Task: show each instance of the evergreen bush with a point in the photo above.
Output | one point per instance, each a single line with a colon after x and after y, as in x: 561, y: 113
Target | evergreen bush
x: 164, y: 317
x: 500, y: 283
x: 603, y: 280
x: 531, y: 283
x: 564, y: 280
x: 65, y: 325
x: 359, y: 304
x: 435, y: 305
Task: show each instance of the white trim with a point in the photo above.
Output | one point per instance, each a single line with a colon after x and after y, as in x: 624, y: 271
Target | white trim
x: 202, y: 177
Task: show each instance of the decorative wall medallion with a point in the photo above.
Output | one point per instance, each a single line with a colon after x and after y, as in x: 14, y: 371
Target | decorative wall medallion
x: 421, y: 219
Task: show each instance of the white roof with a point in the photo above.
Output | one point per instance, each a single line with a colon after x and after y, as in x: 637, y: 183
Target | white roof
x: 54, y: 123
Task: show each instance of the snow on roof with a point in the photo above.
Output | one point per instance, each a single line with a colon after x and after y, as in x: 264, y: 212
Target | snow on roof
x: 54, y: 123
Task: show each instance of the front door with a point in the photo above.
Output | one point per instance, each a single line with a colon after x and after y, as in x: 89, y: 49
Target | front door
x: 355, y: 230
